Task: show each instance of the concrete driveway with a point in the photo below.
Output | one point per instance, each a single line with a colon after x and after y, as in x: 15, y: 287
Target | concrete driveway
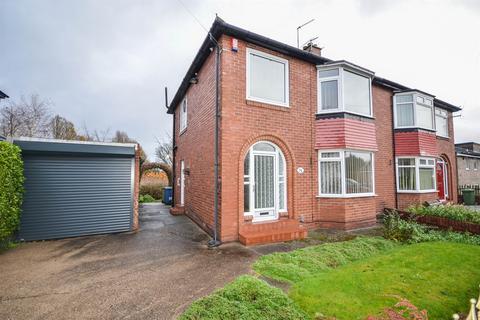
x: 152, y: 274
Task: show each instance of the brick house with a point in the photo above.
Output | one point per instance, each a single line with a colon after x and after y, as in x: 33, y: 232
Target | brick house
x: 468, y: 163
x: 303, y: 141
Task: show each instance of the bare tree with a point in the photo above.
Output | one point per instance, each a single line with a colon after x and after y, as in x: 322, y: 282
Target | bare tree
x: 164, y: 150
x: 29, y: 117
x: 95, y: 135
x: 122, y: 137
x: 61, y: 128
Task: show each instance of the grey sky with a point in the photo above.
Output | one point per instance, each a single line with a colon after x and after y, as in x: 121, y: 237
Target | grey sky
x: 105, y: 63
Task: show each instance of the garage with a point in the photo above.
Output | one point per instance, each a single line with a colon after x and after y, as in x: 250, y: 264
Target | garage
x: 77, y: 188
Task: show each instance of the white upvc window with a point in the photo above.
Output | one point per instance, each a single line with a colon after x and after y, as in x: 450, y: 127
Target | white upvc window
x: 441, y: 122
x: 414, y: 110
x: 416, y: 175
x: 183, y: 114
x: 345, y: 173
x: 344, y: 88
x: 267, y: 78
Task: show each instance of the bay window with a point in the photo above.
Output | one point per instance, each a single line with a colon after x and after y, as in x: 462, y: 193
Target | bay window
x: 416, y: 174
x: 344, y: 88
x: 441, y: 122
x: 267, y: 78
x: 345, y: 173
x: 413, y: 110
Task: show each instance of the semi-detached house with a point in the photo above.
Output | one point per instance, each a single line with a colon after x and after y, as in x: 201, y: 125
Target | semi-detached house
x: 303, y: 141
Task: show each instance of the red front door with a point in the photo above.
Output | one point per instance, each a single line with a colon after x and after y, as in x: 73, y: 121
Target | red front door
x: 440, y: 180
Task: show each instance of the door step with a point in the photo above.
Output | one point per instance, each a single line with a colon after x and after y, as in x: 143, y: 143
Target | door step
x: 270, y: 232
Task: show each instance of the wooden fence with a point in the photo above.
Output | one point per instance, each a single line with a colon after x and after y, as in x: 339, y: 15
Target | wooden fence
x: 475, y: 187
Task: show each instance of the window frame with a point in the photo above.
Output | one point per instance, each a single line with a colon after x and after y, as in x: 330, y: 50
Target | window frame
x: 444, y: 117
x: 341, y: 159
x: 183, y: 115
x: 417, y: 173
x: 342, y: 68
x: 415, y: 96
x: 268, y: 56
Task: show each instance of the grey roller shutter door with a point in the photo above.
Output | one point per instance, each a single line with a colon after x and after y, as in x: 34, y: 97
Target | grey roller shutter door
x: 67, y: 196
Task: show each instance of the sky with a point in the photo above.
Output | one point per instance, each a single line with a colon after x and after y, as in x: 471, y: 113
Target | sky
x: 105, y: 63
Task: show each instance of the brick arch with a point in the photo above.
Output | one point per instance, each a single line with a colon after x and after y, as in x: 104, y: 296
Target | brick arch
x: 290, y: 169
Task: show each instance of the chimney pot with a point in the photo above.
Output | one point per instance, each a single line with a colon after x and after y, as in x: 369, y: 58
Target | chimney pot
x: 313, y: 48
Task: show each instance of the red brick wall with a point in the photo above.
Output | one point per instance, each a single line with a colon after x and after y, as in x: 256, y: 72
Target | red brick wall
x: 446, y: 150
x: 136, y: 188
x: 407, y: 199
x: 196, y: 147
x: 346, y: 213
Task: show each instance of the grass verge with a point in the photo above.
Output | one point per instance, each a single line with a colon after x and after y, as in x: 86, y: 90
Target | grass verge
x: 436, y: 276
x: 245, y: 298
x: 303, y: 263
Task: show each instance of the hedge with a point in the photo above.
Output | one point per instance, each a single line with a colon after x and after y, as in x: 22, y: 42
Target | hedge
x: 11, y: 189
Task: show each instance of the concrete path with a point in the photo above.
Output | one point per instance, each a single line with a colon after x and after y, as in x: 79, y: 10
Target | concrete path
x: 154, y: 273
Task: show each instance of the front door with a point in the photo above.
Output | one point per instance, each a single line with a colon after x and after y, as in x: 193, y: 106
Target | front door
x: 264, y: 173
x: 441, y: 180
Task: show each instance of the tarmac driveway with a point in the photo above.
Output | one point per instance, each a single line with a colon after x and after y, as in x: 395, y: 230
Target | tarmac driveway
x: 154, y: 273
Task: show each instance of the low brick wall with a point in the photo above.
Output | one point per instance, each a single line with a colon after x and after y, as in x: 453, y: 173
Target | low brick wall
x: 441, y: 223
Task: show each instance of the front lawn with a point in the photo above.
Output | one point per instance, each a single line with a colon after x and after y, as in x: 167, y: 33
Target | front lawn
x: 438, y: 276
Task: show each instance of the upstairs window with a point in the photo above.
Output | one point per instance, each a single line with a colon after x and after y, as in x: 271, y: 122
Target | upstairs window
x: 416, y: 175
x: 341, y: 89
x: 267, y: 78
x: 183, y: 114
x: 413, y: 111
x: 441, y: 122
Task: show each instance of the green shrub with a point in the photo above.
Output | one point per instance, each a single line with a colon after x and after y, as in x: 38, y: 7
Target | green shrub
x: 451, y: 211
x: 153, y: 189
x: 11, y: 189
x: 245, y: 298
x: 145, y: 198
x: 408, y: 231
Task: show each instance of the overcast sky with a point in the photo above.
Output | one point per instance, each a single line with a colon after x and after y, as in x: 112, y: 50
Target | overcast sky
x: 105, y: 62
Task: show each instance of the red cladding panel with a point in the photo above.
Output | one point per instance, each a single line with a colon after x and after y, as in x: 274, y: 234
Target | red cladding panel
x: 415, y: 143
x: 345, y: 133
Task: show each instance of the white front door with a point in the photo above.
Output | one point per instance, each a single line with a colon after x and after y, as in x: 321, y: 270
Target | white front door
x: 264, y: 186
x: 182, y: 183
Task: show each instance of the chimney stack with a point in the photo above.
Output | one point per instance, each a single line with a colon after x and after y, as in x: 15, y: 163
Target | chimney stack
x: 313, y: 48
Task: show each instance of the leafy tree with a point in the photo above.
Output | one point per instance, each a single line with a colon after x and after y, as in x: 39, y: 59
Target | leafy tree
x: 61, y: 128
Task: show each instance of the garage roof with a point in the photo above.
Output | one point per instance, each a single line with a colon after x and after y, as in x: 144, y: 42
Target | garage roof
x: 68, y: 146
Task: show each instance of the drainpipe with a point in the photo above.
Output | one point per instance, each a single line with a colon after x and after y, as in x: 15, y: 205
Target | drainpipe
x: 173, y: 149
x: 215, y: 242
x: 394, y: 156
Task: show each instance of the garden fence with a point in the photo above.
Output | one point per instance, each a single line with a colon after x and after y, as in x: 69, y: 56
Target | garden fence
x: 475, y: 187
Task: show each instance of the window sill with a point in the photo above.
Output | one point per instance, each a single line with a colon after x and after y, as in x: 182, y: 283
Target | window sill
x: 414, y: 128
x: 182, y: 132
x: 339, y: 112
x: 443, y: 137
x: 344, y: 196
x: 267, y: 105
x: 417, y: 191
x: 268, y: 102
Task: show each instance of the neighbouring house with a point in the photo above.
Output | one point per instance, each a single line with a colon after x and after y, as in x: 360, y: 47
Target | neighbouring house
x: 468, y: 163
x: 303, y: 141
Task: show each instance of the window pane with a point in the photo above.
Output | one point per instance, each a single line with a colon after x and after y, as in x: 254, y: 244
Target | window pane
x: 420, y: 99
x: 246, y: 198
x: 356, y: 93
x: 281, y: 168
x: 406, y: 162
x: 406, y: 178
x: 330, y: 177
x: 264, y: 147
x: 424, y: 117
x: 330, y: 154
x: 267, y: 79
x: 404, y: 98
x: 442, y: 126
x: 405, y: 115
x: 281, y: 196
x: 358, y: 172
x: 328, y: 73
x: 426, y: 178
x: 264, y: 181
x: 329, y: 95
x: 246, y: 165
